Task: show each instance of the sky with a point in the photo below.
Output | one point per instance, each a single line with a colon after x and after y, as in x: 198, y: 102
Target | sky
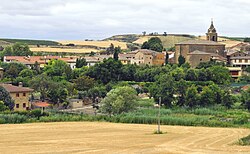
x: 99, y: 19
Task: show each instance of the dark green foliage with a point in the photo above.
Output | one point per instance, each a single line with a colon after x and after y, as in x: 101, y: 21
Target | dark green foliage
x: 153, y: 43
x: 181, y: 60
x: 247, y: 69
x: 164, y: 88
x: 166, y: 58
x: 3, y: 107
x: 245, y: 98
x: 80, y: 62
x: 83, y: 83
x: 247, y: 39
x: 58, y: 68
x: 18, y: 49
x: 108, y: 70
x: 116, y: 53
x: 5, y: 97
x: 31, y: 42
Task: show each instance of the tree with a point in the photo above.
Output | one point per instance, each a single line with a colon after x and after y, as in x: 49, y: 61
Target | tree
x: 181, y: 88
x: 164, y: 88
x: 116, y: 53
x: 191, y: 75
x: 153, y: 43
x: 166, y: 58
x: 80, y: 62
x: 191, y: 96
x: 5, y: 97
x: 58, y: 68
x: 21, y: 49
x: 106, y: 71
x: 220, y: 75
x: 41, y: 83
x: 245, y: 98
x: 111, y: 49
x: 119, y: 100
x: 84, y: 83
x: 2, y: 106
x: 181, y: 60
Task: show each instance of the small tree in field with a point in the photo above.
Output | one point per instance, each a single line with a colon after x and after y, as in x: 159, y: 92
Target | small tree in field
x: 119, y: 100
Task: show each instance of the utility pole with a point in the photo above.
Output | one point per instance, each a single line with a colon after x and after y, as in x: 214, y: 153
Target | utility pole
x: 159, y: 117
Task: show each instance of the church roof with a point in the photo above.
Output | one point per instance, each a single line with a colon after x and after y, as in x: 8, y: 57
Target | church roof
x: 199, y: 42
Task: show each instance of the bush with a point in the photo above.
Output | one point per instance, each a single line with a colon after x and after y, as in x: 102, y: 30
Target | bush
x: 245, y: 140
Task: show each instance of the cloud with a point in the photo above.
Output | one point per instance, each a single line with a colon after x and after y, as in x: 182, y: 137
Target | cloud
x: 97, y: 19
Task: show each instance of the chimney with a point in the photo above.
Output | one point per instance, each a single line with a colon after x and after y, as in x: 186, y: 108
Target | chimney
x: 20, y: 84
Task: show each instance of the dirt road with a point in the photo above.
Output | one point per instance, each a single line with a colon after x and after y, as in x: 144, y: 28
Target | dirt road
x: 87, y: 137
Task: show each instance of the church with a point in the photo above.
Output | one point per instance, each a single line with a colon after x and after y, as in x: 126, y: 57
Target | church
x: 197, y: 51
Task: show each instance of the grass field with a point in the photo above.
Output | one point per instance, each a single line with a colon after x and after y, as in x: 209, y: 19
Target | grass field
x: 103, y: 44
x: 100, y: 137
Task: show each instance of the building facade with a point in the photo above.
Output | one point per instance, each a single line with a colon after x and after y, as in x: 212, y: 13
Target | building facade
x: 20, y: 95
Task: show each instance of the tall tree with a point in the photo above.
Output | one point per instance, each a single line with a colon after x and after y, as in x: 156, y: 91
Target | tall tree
x: 116, y: 53
x: 166, y: 58
x: 181, y: 60
x: 164, y: 87
x: 5, y: 97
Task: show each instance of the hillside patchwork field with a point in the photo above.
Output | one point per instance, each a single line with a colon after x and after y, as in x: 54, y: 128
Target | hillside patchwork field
x: 100, y: 137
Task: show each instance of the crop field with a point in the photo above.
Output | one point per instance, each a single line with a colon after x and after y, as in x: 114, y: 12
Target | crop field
x: 64, y: 50
x: 167, y: 41
x: 101, y: 137
x: 103, y: 44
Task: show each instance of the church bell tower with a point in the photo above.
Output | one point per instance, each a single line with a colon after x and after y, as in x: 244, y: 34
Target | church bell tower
x: 211, y: 33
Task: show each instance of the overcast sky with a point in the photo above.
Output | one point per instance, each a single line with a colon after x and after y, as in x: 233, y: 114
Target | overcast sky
x: 98, y: 19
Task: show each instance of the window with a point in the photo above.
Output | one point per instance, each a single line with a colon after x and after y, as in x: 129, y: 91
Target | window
x: 246, y: 61
x: 17, y: 106
x: 240, y: 61
x: 17, y: 94
x: 200, y: 59
x: 24, y: 94
x: 24, y: 105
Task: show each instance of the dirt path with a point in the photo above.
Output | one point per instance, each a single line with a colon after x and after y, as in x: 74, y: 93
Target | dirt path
x: 87, y: 137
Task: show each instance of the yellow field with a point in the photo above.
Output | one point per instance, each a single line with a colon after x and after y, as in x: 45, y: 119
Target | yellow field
x: 104, y: 44
x: 70, y: 50
x: 229, y: 43
x: 106, y: 138
x: 167, y: 41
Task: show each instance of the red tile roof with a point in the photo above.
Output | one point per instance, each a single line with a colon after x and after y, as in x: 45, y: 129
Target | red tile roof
x: 15, y: 89
x: 38, y: 59
x: 41, y: 104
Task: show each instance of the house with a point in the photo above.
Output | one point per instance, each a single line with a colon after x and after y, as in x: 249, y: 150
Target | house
x: 76, y: 103
x: 1, y: 73
x: 41, y: 61
x: 20, y: 95
x: 147, y: 57
x: 126, y: 58
x: 235, y: 72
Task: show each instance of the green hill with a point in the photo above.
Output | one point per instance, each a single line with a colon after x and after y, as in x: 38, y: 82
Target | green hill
x: 5, y: 42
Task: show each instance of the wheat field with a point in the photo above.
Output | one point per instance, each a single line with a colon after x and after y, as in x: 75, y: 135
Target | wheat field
x: 108, y: 138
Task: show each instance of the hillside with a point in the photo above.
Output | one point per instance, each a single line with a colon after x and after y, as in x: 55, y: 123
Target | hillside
x: 29, y: 42
x: 168, y: 41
